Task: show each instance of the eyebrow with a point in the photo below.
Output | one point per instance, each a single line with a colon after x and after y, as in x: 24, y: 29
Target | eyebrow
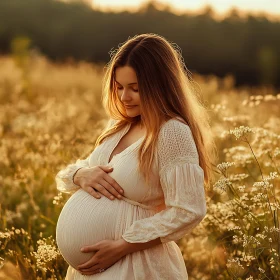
x: 128, y: 84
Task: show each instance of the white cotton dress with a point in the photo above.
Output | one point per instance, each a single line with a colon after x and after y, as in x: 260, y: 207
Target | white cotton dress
x: 169, y: 207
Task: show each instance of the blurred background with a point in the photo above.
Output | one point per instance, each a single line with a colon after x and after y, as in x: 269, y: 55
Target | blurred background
x: 52, y: 58
x: 216, y: 37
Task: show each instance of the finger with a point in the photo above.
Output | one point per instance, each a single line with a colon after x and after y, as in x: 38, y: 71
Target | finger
x: 90, y: 248
x: 106, y: 168
x: 92, y: 192
x: 91, y: 262
x: 94, y: 268
x: 103, y: 190
x: 113, y: 183
x: 90, y: 272
x: 111, y: 189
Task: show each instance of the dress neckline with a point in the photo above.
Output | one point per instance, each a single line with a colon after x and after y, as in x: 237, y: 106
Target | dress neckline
x: 127, y: 149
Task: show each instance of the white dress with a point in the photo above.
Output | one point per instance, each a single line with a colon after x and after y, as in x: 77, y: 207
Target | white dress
x: 169, y: 207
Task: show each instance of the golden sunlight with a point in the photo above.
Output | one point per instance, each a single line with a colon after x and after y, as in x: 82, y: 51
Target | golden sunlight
x: 269, y: 7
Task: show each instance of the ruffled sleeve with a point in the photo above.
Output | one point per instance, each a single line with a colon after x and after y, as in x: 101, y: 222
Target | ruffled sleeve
x: 64, y: 178
x: 182, y: 181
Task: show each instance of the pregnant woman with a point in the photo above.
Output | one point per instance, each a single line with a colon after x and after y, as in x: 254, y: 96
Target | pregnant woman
x: 158, y: 149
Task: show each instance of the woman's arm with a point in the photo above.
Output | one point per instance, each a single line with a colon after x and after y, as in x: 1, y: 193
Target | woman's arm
x: 65, y: 177
x: 128, y: 248
x: 182, y: 181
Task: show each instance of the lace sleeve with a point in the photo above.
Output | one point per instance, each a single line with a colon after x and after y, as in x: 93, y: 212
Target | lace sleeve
x: 182, y: 181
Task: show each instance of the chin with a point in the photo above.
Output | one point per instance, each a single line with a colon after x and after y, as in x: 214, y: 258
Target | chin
x: 132, y: 114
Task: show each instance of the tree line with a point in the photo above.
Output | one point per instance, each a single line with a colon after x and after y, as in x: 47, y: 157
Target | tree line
x: 247, y: 47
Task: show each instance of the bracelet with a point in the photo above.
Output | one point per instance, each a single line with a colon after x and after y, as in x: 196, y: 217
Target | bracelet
x: 75, y: 174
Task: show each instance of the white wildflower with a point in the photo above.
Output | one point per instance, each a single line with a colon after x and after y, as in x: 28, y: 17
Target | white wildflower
x: 57, y: 199
x: 241, y: 131
x: 225, y: 165
x: 238, y: 177
x: 261, y: 270
x: 222, y: 184
x: 241, y: 188
x: 45, y: 253
x: 230, y: 262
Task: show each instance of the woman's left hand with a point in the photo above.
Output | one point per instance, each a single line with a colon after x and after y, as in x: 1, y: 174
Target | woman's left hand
x: 107, y: 253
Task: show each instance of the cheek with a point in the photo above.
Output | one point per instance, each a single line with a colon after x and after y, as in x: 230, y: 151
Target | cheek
x: 137, y: 97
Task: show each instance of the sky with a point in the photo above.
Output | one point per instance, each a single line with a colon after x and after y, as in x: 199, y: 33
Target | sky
x: 220, y: 6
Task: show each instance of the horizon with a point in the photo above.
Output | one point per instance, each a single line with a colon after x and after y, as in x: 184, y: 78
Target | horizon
x: 220, y: 8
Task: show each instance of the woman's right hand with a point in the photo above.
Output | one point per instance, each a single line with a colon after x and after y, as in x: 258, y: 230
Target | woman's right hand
x: 93, y: 179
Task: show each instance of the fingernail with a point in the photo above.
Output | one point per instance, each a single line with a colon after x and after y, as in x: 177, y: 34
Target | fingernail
x: 121, y: 190
x: 82, y: 249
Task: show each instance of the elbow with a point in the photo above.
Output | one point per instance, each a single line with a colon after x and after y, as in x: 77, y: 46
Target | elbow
x: 194, y: 216
x: 198, y: 213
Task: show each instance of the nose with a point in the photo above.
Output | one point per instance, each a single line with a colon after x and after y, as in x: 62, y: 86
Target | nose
x: 125, y: 96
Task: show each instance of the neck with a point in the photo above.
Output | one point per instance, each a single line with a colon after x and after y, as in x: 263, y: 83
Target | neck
x: 139, y: 124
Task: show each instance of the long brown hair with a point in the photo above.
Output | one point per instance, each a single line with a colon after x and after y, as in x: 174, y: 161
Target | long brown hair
x: 166, y: 91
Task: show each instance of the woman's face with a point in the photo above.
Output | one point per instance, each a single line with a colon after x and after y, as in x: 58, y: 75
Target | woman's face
x: 127, y: 89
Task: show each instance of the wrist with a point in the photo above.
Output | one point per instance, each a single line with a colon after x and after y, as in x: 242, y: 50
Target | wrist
x: 75, y: 178
x: 129, y: 248
x: 124, y: 246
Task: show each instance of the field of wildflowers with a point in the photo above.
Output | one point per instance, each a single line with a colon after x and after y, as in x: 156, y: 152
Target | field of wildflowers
x: 51, y: 114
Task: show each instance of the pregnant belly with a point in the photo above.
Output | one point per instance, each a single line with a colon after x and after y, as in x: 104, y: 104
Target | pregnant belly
x: 85, y: 220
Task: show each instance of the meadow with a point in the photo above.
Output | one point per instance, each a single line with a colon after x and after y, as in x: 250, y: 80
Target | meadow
x: 51, y: 115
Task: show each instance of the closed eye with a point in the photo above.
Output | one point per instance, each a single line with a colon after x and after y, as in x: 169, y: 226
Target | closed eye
x: 135, y: 90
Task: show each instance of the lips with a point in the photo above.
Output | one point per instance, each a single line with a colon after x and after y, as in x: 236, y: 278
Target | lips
x: 131, y: 106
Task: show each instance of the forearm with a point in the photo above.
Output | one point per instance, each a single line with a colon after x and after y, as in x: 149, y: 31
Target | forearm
x: 128, y: 248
